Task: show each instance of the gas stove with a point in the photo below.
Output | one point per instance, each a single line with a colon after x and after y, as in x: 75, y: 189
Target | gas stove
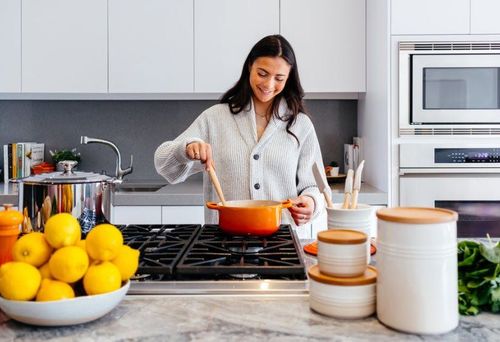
x: 196, y: 259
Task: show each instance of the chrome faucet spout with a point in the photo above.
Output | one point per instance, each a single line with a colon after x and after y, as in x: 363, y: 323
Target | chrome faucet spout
x: 120, y: 173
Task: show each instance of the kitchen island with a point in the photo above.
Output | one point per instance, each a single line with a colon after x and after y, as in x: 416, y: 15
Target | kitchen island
x: 229, y: 318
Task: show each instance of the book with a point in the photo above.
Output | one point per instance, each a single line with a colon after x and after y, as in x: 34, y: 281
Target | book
x: 6, y: 165
x: 348, y: 157
x: 358, y: 151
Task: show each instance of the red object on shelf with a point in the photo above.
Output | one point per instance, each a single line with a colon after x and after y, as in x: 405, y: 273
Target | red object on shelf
x: 312, y: 248
x: 42, y: 168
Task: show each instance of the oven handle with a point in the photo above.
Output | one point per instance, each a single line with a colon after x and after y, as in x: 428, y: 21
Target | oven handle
x: 412, y: 171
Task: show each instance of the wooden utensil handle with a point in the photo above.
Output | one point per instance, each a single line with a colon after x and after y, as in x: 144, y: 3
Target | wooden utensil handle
x: 347, y: 200
x: 215, y: 182
x: 354, y: 203
x: 329, y: 202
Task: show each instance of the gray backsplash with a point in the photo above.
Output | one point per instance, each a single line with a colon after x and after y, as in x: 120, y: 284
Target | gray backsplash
x: 138, y: 127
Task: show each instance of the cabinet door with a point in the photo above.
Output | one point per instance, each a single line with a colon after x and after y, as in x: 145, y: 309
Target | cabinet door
x: 136, y: 215
x: 430, y: 16
x: 225, y: 31
x: 484, y: 16
x: 10, y: 43
x: 64, y: 46
x: 183, y: 214
x: 328, y: 37
x: 150, y: 46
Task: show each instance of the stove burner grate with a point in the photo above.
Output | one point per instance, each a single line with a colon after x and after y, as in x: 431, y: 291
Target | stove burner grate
x: 160, y: 246
x: 214, y: 253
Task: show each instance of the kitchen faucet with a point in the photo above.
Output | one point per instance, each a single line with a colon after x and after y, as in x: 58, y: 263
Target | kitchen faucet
x: 120, y: 173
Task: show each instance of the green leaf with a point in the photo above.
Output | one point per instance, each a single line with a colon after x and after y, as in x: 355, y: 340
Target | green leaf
x: 469, y: 259
x: 479, y: 273
x: 495, y: 299
x: 491, y: 253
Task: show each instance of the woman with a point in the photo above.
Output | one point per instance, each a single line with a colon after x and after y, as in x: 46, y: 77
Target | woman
x: 258, y: 138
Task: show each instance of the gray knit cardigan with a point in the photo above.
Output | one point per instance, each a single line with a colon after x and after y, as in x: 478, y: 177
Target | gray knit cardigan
x: 272, y: 168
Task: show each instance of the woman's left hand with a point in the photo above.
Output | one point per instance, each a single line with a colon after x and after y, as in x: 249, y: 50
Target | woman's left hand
x: 302, y: 209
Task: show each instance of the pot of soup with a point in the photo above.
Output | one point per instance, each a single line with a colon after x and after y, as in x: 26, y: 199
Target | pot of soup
x: 251, y: 217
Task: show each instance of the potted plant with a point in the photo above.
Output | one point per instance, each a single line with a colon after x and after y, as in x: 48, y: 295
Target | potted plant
x: 61, y: 155
x: 332, y: 170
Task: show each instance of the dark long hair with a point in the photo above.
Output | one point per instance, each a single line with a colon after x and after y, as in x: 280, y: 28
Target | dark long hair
x: 239, y: 96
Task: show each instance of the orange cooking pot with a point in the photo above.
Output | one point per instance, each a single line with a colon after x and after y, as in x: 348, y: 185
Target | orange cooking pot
x: 252, y: 217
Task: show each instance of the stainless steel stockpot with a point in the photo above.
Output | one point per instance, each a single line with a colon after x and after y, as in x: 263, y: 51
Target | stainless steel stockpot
x: 85, y: 195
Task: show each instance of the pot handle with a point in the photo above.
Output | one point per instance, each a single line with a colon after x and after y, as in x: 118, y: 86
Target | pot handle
x: 287, y: 204
x: 212, y: 205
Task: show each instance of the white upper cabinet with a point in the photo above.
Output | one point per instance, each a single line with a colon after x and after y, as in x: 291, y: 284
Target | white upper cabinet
x: 430, y: 16
x: 150, y: 46
x: 10, y: 46
x: 64, y: 46
x: 485, y: 16
x: 225, y: 31
x: 328, y: 37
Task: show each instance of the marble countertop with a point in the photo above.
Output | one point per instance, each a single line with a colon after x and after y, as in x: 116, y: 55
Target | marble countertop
x: 230, y: 318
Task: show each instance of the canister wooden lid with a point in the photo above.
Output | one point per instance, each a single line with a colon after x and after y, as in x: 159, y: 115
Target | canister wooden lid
x: 417, y: 215
x: 369, y: 277
x: 342, y: 236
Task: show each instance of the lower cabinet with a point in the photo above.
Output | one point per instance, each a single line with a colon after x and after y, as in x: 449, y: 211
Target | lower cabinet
x: 157, y: 215
x: 136, y: 215
x: 183, y: 214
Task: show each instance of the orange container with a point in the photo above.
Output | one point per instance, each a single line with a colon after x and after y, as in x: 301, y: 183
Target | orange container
x: 252, y: 217
x: 9, y: 231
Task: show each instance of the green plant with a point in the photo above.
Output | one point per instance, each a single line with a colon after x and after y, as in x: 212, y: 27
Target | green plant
x: 478, y: 277
x: 58, y: 156
x: 334, y: 164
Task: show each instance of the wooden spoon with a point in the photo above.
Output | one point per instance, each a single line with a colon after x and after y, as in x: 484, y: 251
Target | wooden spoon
x: 215, y: 182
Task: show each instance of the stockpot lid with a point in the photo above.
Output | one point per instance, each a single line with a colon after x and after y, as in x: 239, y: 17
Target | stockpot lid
x: 68, y: 176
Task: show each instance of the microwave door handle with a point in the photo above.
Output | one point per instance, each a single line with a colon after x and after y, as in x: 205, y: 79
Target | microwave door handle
x: 440, y: 171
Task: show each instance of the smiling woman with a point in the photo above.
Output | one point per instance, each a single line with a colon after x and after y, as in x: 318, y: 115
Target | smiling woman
x: 259, y: 138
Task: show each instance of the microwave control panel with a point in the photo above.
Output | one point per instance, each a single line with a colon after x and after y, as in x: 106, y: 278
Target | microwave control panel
x: 466, y: 155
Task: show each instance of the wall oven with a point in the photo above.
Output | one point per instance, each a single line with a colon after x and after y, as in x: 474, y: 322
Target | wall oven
x: 449, y: 88
x: 464, y: 178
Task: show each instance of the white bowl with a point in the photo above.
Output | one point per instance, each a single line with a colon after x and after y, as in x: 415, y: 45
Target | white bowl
x: 66, y: 311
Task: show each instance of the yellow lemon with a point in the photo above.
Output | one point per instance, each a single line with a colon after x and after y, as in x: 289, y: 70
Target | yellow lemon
x: 127, y: 261
x: 19, y: 280
x: 32, y: 248
x: 45, y: 271
x: 103, y: 242
x: 54, y: 290
x: 102, y: 278
x: 62, y: 230
x: 83, y: 246
x: 69, y: 264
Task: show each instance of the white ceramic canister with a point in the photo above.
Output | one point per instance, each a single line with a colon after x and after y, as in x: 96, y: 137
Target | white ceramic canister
x: 417, y: 288
x: 353, y: 219
x: 343, y: 297
x: 342, y: 252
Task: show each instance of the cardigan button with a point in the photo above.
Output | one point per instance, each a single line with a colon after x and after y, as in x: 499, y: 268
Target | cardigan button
x: 257, y: 186
x: 256, y: 157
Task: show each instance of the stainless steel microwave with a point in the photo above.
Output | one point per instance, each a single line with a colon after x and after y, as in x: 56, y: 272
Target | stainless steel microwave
x: 449, y: 88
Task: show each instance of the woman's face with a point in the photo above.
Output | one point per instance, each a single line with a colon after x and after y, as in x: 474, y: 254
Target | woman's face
x: 268, y: 76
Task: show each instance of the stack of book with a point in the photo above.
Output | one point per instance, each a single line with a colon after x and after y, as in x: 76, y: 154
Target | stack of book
x: 18, y: 158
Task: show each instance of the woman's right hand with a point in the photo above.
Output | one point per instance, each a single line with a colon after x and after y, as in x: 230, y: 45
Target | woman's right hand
x: 200, y: 151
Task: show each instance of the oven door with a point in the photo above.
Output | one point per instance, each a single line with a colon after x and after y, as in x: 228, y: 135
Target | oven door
x: 476, y: 198
x: 455, y: 89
